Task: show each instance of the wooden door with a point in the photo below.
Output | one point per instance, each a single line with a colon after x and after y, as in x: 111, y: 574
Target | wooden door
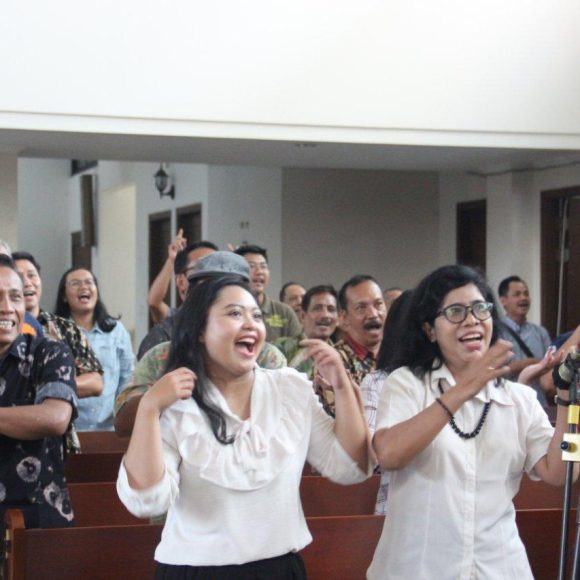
x: 472, y: 233
x: 560, y: 269
x: 160, y: 236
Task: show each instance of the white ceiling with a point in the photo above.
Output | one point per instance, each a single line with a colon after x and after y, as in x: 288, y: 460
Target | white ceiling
x: 61, y: 145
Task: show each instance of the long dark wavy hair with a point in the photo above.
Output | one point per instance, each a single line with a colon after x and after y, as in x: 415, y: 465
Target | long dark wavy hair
x: 105, y: 321
x: 187, y: 350
x: 394, y: 331
x: 416, y: 351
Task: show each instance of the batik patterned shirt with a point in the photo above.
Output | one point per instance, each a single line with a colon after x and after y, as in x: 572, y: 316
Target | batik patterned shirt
x: 357, y: 360
x: 67, y: 331
x: 32, y: 471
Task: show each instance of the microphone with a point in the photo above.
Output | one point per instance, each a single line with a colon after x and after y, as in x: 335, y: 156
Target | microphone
x: 564, y: 373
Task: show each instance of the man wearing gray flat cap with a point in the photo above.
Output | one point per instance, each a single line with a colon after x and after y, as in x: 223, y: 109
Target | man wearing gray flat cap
x: 215, y: 264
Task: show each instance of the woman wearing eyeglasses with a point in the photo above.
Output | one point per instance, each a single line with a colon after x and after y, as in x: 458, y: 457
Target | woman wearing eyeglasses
x: 78, y: 298
x: 457, y: 437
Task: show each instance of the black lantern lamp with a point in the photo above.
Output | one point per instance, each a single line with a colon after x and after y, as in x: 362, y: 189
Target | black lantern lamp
x: 161, y: 182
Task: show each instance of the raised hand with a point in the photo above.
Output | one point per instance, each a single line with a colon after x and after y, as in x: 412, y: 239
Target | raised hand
x: 330, y: 371
x: 175, y: 385
x: 177, y: 245
x: 493, y: 364
x: 535, y: 371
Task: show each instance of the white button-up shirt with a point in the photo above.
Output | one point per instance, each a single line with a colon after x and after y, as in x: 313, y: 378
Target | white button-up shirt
x: 231, y: 504
x: 451, y: 514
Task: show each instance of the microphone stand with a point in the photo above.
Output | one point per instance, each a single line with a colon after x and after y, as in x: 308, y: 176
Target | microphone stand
x: 571, y: 454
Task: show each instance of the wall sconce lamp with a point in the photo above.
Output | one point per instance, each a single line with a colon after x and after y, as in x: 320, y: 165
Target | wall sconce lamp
x: 162, y: 179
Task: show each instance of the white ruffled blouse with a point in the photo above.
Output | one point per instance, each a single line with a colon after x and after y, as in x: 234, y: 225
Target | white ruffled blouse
x: 231, y: 504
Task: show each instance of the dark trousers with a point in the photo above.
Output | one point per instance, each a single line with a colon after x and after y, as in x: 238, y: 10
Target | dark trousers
x: 287, y: 567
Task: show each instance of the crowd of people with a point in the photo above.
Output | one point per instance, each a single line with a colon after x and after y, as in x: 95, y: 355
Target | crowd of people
x: 233, y: 391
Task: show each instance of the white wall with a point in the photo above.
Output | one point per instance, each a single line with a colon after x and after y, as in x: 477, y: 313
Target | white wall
x: 9, y: 199
x: 245, y: 205
x: 389, y: 71
x: 513, y: 220
x: 191, y: 188
x: 339, y: 223
x: 318, y: 225
x: 43, y: 219
x: 117, y: 250
x: 454, y: 188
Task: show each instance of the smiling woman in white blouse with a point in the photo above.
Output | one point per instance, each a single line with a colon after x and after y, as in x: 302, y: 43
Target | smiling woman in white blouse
x: 220, y: 444
x: 457, y: 438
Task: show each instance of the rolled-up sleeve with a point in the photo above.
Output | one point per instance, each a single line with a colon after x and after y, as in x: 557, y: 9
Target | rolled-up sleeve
x: 538, y: 436
x: 57, y: 375
x: 326, y: 454
x: 156, y: 499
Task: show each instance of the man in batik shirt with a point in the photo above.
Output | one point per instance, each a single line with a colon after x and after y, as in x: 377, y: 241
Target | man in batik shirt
x: 37, y: 403
x: 362, y: 318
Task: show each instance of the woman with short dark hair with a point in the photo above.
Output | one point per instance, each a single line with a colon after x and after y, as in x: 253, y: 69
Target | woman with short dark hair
x: 221, y: 443
x: 456, y: 438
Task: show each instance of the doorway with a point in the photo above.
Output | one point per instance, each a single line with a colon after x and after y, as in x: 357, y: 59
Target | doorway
x: 160, y: 236
x: 472, y: 233
x: 560, y: 257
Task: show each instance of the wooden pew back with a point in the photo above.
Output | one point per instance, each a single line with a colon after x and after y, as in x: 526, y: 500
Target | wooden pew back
x: 71, y: 553
x: 102, y: 442
x: 342, y: 548
x: 540, y: 495
x: 92, y: 467
x: 321, y: 497
x: 97, y: 504
x: 540, y: 531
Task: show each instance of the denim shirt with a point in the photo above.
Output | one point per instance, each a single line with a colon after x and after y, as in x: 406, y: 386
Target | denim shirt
x: 115, y: 353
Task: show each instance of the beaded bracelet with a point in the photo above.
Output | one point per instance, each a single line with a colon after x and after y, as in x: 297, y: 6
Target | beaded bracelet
x: 445, y: 407
x: 562, y: 402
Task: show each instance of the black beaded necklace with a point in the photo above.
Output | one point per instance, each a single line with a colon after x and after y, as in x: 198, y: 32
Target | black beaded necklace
x: 479, y: 425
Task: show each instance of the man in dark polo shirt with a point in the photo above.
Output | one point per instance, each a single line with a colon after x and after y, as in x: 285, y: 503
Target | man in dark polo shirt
x: 362, y: 317
x: 37, y: 403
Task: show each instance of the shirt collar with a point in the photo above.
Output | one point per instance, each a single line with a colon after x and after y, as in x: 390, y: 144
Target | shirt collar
x: 20, y: 346
x: 360, y: 351
x: 490, y: 392
x: 513, y: 325
x: 95, y: 330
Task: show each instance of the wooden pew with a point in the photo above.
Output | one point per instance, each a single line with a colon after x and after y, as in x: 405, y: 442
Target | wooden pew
x: 540, y: 532
x: 94, y: 553
x: 342, y: 548
x: 321, y: 497
x: 102, y: 442
x: 92, y: 467
x: 97, y: 503
x: 540, y: 495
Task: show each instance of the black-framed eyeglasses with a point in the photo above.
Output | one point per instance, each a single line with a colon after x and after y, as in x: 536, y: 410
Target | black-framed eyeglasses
x: 457, y: 313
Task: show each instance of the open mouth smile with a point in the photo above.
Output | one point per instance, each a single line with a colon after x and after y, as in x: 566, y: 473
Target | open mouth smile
x: 247, y: 345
